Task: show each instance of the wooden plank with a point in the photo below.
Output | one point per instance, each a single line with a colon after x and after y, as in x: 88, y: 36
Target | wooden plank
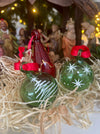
x: 63, y: 3
x: 87, y: 6
x: 6, y: 2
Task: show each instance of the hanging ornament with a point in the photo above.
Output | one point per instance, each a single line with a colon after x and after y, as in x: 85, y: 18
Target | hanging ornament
x: 77, y: 73
x: 39, y: 88
x: 40, y: 55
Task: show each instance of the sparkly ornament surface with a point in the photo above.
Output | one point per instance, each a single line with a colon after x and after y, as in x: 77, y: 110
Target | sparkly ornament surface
x: 39, y: 88
x: 76, y: 74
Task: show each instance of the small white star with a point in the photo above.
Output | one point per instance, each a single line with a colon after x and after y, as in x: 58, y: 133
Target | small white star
x: 78, y: 72
x: 38, y: 82
x: 86, y: 70
x: 78, y: 83
x: 34, y: 79
x: 71, y: 67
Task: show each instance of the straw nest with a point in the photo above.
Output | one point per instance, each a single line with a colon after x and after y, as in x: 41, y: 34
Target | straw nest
x: 71, y: 107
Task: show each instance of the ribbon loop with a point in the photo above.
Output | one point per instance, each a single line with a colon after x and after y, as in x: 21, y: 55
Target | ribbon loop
x: 85, y: 51
x: 30, y: 43
x: 21, y: 50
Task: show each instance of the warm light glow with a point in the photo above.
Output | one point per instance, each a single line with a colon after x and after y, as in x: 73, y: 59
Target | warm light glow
x: 96, y: 34
x: 24, y: 23
x: 34, y: 10
x: 15, y: 4
x: 41, y: 24
x: 44, y: 5
x: 96, y: 16
x: 99, y: 13
x: 20, y: 21
x: 2, y: 11
x: 98, y: 19
x: 12, y: 8
x: 97, y: 29
x: 95, y: 21
x: 21, y: 0
x: 82, y: 31
x: 51, y: 19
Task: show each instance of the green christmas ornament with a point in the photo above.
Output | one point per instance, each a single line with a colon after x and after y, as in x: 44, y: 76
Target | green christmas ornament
x: 76, y: 74
x: 39, y: 88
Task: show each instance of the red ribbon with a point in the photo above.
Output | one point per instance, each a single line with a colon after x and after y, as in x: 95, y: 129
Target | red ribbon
x: 30, y: 42
x: 85, y: 52
x: 26, y: 66
x: 21, y: 51
x: 17, y: 66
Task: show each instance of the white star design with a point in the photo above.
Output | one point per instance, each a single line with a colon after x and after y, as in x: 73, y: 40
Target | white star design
x: 86, y: 70
x: 71, y: 67
x: 38, y: 82
x: 78, y: 83
x: 34, y: 79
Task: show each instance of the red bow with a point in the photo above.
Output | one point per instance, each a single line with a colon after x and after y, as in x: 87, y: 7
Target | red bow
x: 26, y: 66
x: 85, y: 52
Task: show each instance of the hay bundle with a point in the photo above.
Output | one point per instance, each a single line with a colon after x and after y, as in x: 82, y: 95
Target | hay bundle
x: 72, y: 107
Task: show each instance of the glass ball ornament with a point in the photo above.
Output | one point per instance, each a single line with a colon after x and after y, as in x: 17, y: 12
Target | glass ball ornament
x: 38, y: 88
x: 76, y: 74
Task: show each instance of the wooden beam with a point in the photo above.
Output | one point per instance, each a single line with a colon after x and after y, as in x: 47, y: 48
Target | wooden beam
x: 78, y: 28
x: 87, y: 6
x: 30, y: 18
x: 66, y: 17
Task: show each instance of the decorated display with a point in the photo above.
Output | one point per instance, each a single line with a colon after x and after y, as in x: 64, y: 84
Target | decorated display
x: 33, y: 94
x: 39, y: 90
x: 77, y: 73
